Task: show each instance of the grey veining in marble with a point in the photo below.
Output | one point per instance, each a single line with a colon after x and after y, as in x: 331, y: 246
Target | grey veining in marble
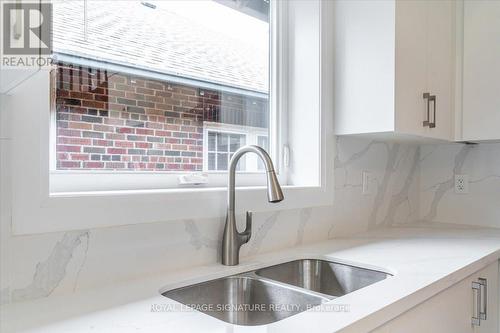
x: 259, y: 234
x: 49, y: 273
x: 304, y: 217
x: 82, y: 265
x: 346, y: 165
x: 403, y: 196
x: 438, y: 200
x: 197, y: 239
x: 390, y: 164
x: 387, y: 165
x: 339, y: 163
x: 448, y: 184
x: 390, y: 168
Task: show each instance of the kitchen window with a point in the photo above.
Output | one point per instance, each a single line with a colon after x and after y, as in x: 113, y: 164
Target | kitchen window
x: 134, y: 96
x: 82, y: 112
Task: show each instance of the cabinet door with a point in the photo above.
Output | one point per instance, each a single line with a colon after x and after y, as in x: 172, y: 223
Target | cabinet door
x: 490, y: 324
x: 481, y: 71
x: 448, y: 312
x: 441, y: 66
x: 424, y: 64
x: 451, y: 310
x: 411, y: 66
x: 364, y: 66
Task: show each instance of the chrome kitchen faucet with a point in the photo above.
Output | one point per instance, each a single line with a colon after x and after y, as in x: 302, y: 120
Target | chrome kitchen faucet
x: 232, y: 239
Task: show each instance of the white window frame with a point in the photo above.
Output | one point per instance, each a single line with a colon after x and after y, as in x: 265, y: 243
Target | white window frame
x: 70, y: 181
x: 250, y: 133
x: 37, y: 209
x: 64, y: 182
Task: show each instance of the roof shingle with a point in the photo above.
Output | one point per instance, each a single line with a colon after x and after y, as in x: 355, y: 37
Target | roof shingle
x: 160, y: 40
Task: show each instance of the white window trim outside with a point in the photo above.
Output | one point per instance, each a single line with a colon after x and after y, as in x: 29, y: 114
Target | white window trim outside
x: 251, y: 134
x: 35, y: 209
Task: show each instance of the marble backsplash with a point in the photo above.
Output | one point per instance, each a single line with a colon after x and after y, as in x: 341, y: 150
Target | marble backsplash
x: 408, y: 183
x: 38, y: 266
x: 438, y: 200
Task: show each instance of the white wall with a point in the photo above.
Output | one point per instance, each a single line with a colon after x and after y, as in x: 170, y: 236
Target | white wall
x: 56, y: 263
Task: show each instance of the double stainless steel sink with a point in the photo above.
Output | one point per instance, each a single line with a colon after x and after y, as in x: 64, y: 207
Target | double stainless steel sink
x: 273, y: 293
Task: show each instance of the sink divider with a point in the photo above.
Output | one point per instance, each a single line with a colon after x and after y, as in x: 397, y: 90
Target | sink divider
x: 253, y: 275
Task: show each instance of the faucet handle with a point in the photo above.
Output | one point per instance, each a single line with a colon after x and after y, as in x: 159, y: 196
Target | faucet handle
x: 245, y: 235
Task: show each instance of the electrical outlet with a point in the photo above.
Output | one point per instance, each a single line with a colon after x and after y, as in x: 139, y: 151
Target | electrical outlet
x: 461, y: 184
x: 366, y: 183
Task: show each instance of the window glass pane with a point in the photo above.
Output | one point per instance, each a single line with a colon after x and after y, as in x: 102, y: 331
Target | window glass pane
x: 222, y: 161
x: 262, y: 141
x: 222, y: 142
x: 236, y: 141
x: 211, y: 161
x: 211, y: 141
x: 139, y: 80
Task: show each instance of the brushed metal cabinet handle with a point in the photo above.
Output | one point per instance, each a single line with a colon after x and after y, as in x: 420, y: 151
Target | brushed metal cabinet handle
x: 432, y: 98
x: 426, y: 96
x: 483, y: 290
x: 476, y: 306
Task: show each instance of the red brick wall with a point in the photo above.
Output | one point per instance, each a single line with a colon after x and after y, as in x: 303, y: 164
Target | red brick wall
x: 121, y: 122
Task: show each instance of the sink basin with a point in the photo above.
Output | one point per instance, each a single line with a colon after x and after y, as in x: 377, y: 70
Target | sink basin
x: 245, y: 300
x: 273, y: 293
x: 322, y: 276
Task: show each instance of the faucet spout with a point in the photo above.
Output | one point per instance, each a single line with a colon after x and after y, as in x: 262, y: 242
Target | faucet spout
x: 232, y: 239
x: 274, y: 192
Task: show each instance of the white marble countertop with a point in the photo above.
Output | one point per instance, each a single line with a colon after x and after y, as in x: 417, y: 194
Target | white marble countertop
x: 424, y: 260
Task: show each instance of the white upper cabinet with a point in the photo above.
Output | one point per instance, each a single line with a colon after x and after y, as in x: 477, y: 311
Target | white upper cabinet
x: 480, y: 55
x: 388, y: 56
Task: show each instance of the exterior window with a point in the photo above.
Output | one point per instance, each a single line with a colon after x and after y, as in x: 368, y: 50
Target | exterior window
x: 221, y: 147
x: 222, y: 140
x: 138, y: 83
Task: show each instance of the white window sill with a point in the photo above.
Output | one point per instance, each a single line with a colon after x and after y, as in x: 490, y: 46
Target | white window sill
x: 98, y: 182
x: 76, y: 211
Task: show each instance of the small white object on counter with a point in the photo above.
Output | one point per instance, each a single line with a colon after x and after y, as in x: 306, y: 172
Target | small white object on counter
x: 196, y: 178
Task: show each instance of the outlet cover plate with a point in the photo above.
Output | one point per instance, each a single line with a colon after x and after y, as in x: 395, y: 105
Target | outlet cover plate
x: 461, y: 184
